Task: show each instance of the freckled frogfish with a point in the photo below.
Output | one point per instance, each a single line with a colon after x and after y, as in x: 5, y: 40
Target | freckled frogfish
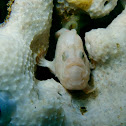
x: 70, y: 64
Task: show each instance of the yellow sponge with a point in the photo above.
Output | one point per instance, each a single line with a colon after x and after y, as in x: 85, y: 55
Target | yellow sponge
x: 83, y: 4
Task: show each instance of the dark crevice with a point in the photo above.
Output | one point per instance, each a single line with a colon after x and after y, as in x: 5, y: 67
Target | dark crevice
x: 43, y: 73
x: 56, y: 25
x: 3, y: 10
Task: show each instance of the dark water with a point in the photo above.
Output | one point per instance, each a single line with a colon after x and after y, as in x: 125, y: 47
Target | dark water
x: 3, y: 10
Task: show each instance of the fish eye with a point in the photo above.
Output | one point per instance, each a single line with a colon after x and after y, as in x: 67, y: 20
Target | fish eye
x: 64, y: 56
x: 82, y: 55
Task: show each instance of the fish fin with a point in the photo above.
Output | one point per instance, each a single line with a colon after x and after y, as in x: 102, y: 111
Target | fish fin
x: 45, y: 63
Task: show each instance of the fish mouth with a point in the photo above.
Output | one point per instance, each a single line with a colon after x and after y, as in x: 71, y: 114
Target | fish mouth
x: 74, y: 76
x: 74, y: 64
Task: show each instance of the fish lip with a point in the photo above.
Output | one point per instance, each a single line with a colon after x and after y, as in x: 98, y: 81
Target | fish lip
x: 74, y: 64
x: 69, y: 85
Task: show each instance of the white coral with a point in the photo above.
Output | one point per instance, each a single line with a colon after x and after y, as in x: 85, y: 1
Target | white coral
x: 29, y: 23
x: 104, y: 43
x: 108, y: 48
x: 100, y: 8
